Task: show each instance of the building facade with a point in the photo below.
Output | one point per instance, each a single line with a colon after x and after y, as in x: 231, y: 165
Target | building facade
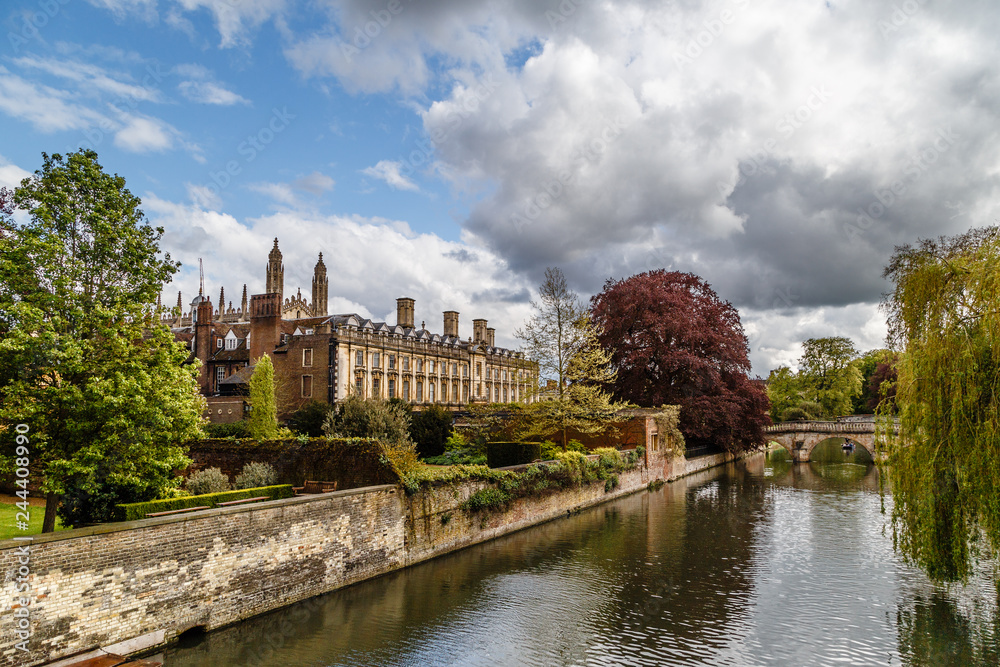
x: 326, y: 358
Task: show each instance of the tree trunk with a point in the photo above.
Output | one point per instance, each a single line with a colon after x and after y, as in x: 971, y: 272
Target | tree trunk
x: 51, y: 503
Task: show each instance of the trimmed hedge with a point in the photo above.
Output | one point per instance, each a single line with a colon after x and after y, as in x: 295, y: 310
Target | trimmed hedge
x: 503, y: 454
x: 351, y: 462
x: 135, y: 511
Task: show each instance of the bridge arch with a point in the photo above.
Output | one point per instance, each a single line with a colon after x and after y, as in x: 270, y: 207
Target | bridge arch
x: 801, y: 438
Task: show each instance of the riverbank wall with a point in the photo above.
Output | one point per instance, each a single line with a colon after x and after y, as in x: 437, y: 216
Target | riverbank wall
x: 129, y: 587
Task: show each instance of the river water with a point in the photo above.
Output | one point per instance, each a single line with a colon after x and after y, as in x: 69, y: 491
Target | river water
x: 761, y: 562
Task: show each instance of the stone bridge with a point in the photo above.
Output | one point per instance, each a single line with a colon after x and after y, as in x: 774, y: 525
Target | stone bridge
x: 801, y: 437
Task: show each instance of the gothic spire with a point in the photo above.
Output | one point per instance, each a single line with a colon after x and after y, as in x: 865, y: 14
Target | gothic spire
x: 320, y: 288
x: 275, y: 272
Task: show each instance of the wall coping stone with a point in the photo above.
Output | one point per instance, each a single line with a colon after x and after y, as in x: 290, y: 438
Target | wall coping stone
x: 103, y: 528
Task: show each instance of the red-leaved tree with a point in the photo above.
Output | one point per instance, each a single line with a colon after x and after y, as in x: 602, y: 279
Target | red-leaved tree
x: 674, y: 341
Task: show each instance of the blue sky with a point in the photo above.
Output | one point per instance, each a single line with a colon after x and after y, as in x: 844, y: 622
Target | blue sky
x: 451, y: 151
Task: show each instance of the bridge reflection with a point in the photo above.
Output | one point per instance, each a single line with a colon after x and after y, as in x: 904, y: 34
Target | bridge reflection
x: 830, y: 468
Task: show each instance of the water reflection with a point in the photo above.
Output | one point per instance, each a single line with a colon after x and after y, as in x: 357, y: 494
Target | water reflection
x: 762, y: 562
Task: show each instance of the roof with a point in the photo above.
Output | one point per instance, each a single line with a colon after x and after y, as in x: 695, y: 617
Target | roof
x: 240, y: 353
x: 241, y: 376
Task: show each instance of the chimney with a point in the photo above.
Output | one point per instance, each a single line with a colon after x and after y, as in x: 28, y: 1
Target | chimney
x: 203, y: 341
x: 478, y: 331
x: 404, y: 312
x: 265, y: 324
x: 491, y: 336
x: 451, y: 323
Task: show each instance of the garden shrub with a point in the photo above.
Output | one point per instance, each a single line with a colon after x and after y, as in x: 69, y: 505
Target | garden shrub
x: 310, y: 418
x: 233, y: 430
x: 430, y: 429
x: 574, y: 464
x: 209, y: 480
x: 135, y: 511
x: 467, y: 456
x: 490, y: 498
x: 552, y: 449
x: 256, y: 474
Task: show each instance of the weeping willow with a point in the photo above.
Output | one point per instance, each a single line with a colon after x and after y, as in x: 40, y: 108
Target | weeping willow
x: 944, y: 463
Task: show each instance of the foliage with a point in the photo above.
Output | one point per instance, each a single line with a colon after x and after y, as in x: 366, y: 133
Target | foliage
x: 494, y: 421
x: 231, y: 430
x: 829, y: 374
x: 783, y: 392
x: 309, y: 419
x: 209, y: 480
x: 262, y: 423
x: 430, y: 429
x: 84, y: 359
x: 136, y: 511
x: 81, y: 506
x: 385, y: 421
x: 465, y: 456
x: 489, y: 498
x: 673, y: 341
x: 945, y: 463
x: 503, y: 454
x: 550, y: 449
x: 668, y: 422
x: 564, y: 340
x: 256, y: 474
x: 881, y: 386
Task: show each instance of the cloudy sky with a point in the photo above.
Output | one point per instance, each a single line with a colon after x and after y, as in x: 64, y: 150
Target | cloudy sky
x: 450, y: 151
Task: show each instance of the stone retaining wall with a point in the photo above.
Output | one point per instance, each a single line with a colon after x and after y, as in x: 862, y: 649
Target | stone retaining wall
x: 141, y: 584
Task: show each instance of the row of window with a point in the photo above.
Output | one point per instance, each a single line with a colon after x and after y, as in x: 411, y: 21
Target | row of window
x: 499, y: 394
x: 491, y: 373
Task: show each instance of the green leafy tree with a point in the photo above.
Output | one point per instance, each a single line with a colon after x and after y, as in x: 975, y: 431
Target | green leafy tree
x: 829, y: 374
x: 875, y: 366
x: 263, y: 421
x: 84, y: 360
x: 562, y: 338
x: 309, y: 419
x: 388, y: 422
x: 430, y: 428
x: 945, y: 462
x: 783, y: 391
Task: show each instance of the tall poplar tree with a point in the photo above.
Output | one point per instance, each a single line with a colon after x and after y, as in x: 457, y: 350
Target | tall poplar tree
x: 84, y: 360
x: 263, y: 421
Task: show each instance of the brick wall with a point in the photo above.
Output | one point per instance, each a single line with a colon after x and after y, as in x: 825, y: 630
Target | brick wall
x: 156, y: 578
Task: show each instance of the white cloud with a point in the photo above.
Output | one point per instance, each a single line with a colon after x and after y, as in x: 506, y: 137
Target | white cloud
x: 46, y: 108
x: 144, y: 9
x: 142, y: 134
x: 388, y: 171
x: 280, y: 192
x: 315, y: 183
x: 236, y: 21
x: 204, y: 197
x: 208, y: 92
x: 10, y: 174
x: 89, y: 77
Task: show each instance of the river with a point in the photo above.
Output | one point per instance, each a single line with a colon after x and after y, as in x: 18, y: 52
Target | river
x: 761, y: 562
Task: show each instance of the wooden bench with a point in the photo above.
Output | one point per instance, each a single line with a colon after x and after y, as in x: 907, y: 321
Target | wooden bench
x: 181, y: 511
x: 313, y: 486
x: 240, y: 502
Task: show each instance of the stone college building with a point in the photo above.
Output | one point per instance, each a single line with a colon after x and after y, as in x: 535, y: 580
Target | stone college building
x: 325, y: 357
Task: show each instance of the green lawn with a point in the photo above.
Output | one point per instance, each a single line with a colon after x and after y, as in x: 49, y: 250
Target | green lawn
x: 8, y: 521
